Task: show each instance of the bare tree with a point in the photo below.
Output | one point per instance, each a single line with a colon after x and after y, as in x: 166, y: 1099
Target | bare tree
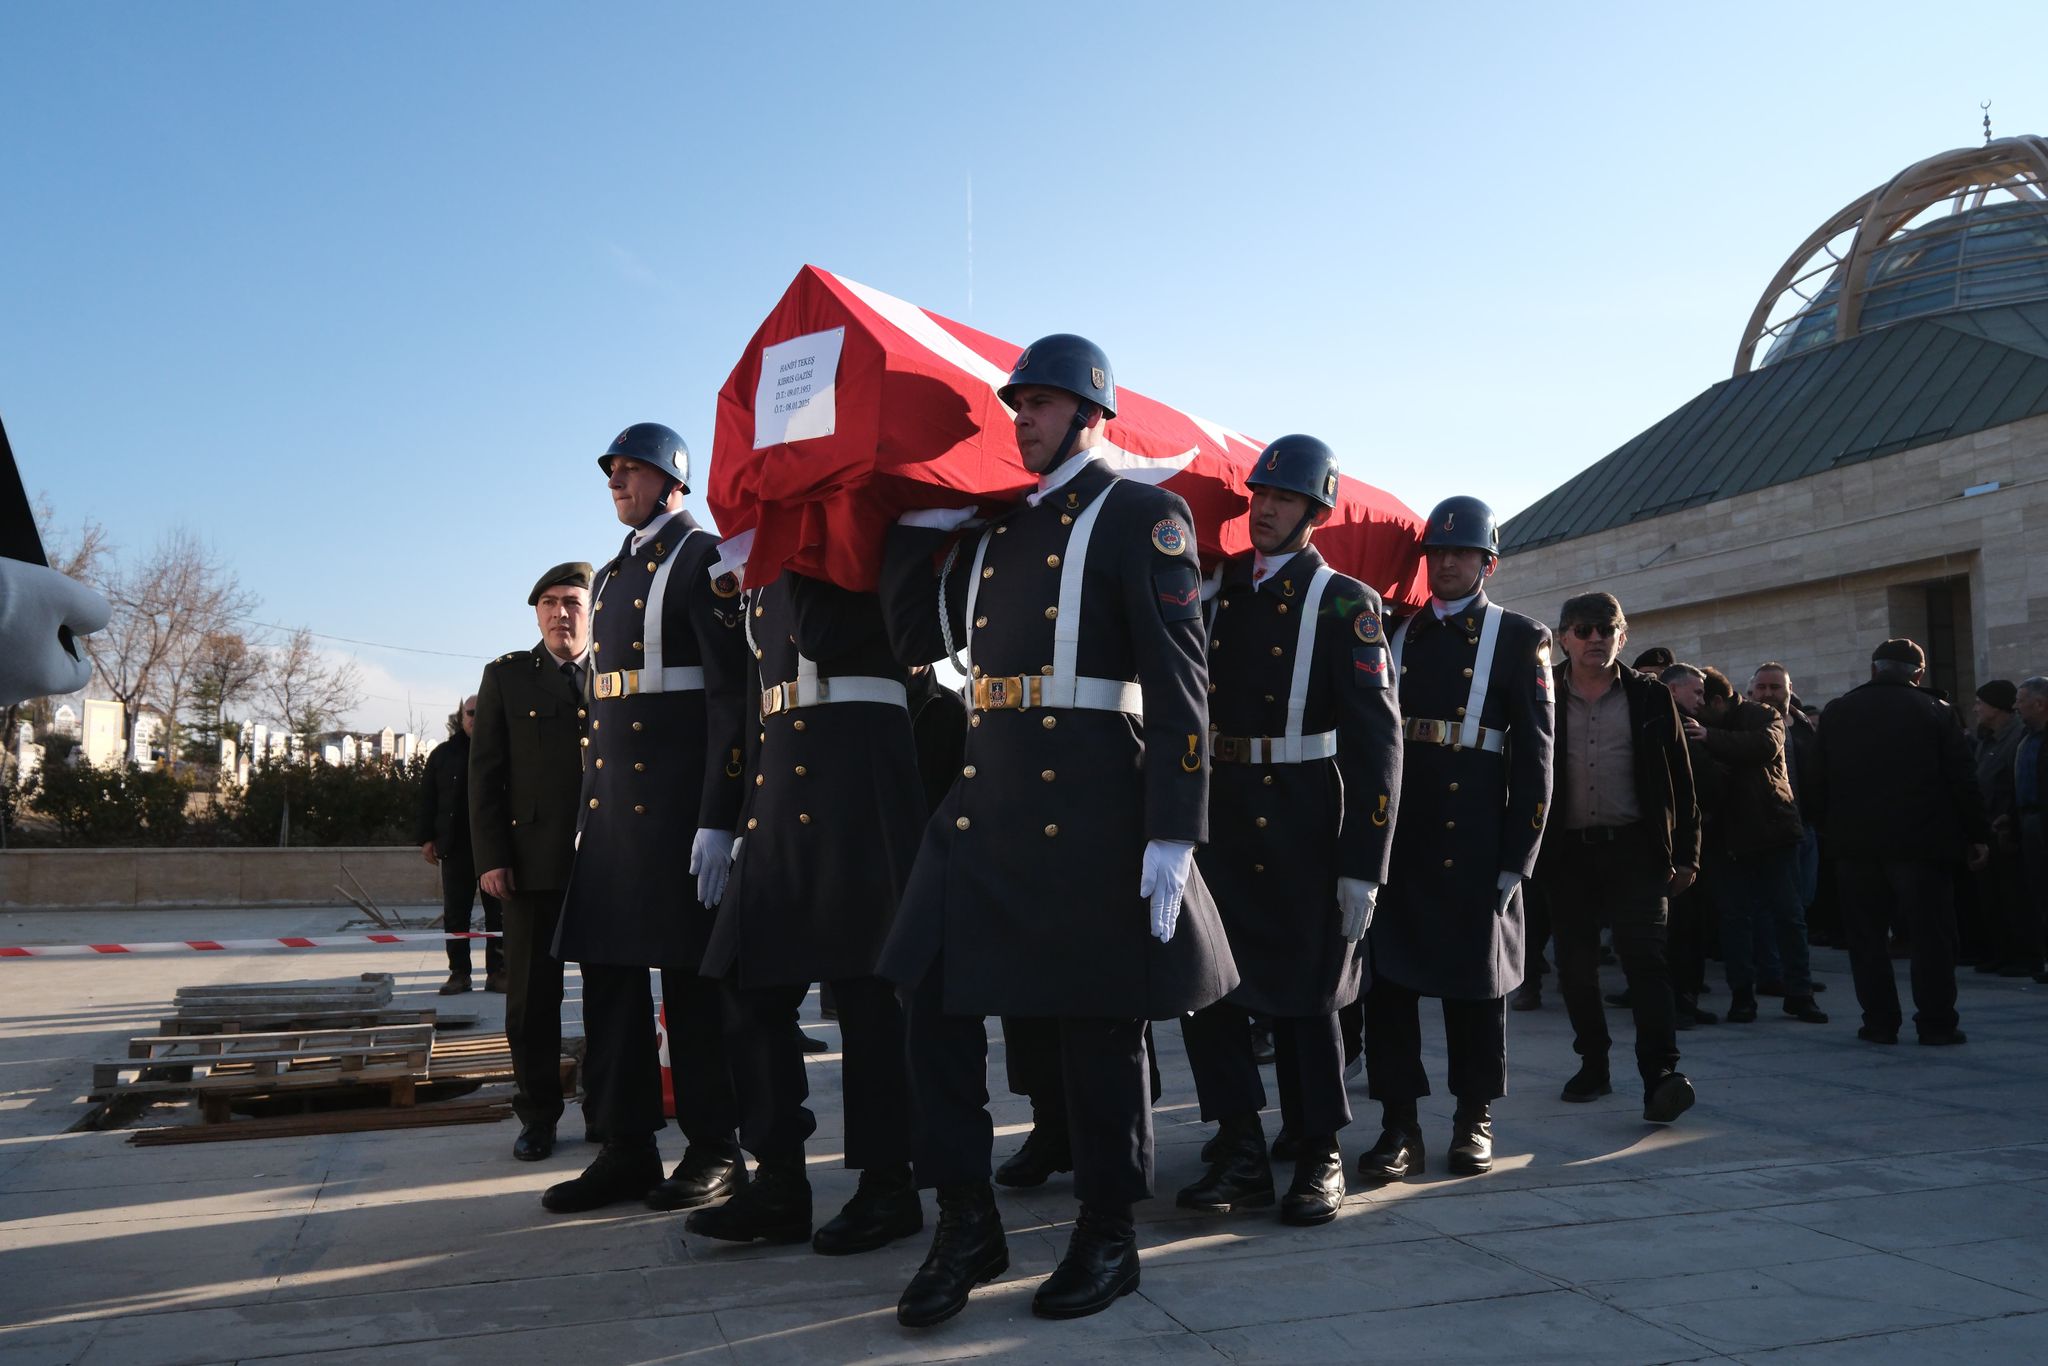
x: 305, y: 692
x: 224, y: 669
x: 163, y: 608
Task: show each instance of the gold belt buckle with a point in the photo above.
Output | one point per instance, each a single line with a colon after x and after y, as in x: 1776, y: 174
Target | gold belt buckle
x: 1429, y: 731
x: 1008, y: 692
x: 771, y: 701
x: 608, y: 685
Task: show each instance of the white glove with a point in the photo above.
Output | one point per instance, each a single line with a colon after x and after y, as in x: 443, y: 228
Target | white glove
x: 1355, y: 899
x: 1508, y: 883
x: 1167, y: 865
x: 37, y: 606
x: 711, y: 861
x: 937, y: 519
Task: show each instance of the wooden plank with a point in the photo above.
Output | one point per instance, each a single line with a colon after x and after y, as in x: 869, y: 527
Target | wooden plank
x: 465, y: 1111
x: 348, y: 1017
x: 316, y: 1036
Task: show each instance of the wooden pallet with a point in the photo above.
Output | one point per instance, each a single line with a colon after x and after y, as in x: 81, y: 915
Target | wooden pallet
x: 219, y: 1068
x: 349, y: 1018
x: 468, y: 1110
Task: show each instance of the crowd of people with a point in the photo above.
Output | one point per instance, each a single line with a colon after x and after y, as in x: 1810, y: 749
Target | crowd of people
x: 1254, y: 803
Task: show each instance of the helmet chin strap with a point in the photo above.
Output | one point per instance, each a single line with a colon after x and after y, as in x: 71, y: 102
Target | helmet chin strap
x: 1075, y: 427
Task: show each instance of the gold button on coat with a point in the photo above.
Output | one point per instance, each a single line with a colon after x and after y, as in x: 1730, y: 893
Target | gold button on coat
x: 1260, y: 822
x: 1283, y: 609
x: 1447, y: 863
x: 760, y: 779
x: 600, y: 763
x: 637, y: 645
x: 1269, y: 780
x: 974, y: 720
x: 639, y: 602
x: 988, y: 571
x: 1258, y: 867
x: 801, y: 770
x: 1454, y: 787
x: 639, y: 768
x: 797, y: 724
x: 804, y: 817
x: 1049, y: 722
x: 1051, y: 830
x: 1046, y: 776
x: 639, y: 810
x: 753, y: 823
x: 636, y: 725
x: 533, y: 713
x: 967, y: 772
x: 1450, y: 825
x: 1051, y: 612
x: 650, y: 566
x: 980, y: 622
x: 1277, y: 652
x: 593, y: 803
x: 962, y: 823
x: 1052, y: 562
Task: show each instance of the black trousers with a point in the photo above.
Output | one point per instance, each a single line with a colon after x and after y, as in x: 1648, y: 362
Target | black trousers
x: 1475, y: 1035
x: 1921, y: 897
x: 459, y: 893
x: 1031, y: 1063
x: 772, y: 1084
x: 533, y: 1006
x: 1308, y: 1068
x: 1686, y: 937
x: 1103, y: 1079
x: 1620, y: 883
x: 622, y: 1084
x: 2030, y: 920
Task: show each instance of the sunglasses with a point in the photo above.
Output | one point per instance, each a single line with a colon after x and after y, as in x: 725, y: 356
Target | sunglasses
x: 1586, y: 630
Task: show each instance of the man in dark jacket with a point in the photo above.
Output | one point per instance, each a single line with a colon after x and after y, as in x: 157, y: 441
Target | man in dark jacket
x: 2014, y: 949
x: 525, y: 770
x: 441, y: 829
x: 1757, y: 829
x: 1899, y: 805
x: 1624, y: 837
x: 2030, y: 809
x: 1307, y: 763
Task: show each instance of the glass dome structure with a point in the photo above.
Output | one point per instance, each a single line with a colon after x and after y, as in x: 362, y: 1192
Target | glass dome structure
x: 1965, y: 229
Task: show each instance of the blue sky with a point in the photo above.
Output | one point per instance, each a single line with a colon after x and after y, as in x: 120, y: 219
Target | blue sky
x: 359, y: 291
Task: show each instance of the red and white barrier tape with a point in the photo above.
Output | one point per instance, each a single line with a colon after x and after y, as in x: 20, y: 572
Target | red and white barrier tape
x: 326, y: 941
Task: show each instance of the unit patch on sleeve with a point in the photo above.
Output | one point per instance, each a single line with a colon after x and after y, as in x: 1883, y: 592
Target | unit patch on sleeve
x: 1178, y: 590
x: 1369, y: 666
x: 1366, y: 626
x: 726, y: 585
x: 1170, y: 536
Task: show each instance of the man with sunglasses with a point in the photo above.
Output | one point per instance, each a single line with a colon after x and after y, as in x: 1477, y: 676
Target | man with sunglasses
x: 1625, y: 837
x: 1475, y: 685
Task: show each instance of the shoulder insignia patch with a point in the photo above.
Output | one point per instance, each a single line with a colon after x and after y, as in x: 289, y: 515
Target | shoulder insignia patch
x: 1369, y: 666
x: 1366, y: 626
x: 1170, y: 536
x: 1179, y: 593
x: 726, y: 585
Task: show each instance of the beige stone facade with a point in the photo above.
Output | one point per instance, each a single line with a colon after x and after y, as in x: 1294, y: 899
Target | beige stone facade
x: 1818, y: 571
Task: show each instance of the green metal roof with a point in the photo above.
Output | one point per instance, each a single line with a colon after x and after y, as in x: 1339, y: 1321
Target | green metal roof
x: 1910, y: 384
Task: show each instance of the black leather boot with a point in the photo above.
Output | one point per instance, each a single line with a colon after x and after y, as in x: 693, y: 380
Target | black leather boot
x: 884, y: 1208
x: 706, y: 1173
x: 967, y: 1250
x: 1044, y: 1152
x: 1317, y: 1192
x: 1590, y: 1082
x: 1101, y: 1264
x: 774, y: 1207
x: 1804, y: 1010
x: 1742, y: 1005
x: 1398, y: 1154
x: 1239, y: 1176
x: 617, y: 1173
x: 1471, y: 1140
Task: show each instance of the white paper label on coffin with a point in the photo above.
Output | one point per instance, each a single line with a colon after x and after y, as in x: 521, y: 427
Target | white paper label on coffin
x: 796, y: 398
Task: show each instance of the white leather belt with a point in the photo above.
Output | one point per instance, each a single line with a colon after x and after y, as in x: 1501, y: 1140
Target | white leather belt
x: 627, y: 682
x: 1266, y: 749
x: 818, y: 692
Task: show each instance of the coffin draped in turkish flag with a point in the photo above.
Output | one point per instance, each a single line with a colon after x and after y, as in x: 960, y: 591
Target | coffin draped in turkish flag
x: 851, y: 407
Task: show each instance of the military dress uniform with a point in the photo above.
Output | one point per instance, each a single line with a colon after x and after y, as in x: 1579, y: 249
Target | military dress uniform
x: 1476, y: 704
x: 833, y: 809
x: 662, y: 760
x: 525, y: 771
x: 1075, y: 612
x: 1307, y: 770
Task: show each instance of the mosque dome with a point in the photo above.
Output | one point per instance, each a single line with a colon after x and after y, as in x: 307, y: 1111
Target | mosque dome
x: 1964, y: 230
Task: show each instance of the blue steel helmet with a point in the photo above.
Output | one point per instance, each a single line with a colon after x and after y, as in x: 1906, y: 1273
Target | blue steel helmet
x: 1298, y: 464
x: 1462, y: 523
x: 1065, y: 361
x: 653, y: 444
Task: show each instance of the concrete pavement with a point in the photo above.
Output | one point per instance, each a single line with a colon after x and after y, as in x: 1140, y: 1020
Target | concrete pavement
x: 1827, y: 1200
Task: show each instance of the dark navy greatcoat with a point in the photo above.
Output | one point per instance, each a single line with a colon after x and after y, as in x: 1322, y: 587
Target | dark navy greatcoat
x: 833, y: 805
x: 1467, y: 815
x: 658, y: 766
x: 1027, y: 879
x: 1280, y: 835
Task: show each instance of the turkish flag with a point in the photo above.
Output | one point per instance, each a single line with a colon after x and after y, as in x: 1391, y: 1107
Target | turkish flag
x: 850, y: 407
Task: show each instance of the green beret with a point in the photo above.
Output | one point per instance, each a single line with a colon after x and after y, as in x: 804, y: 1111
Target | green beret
x: 577, y: 572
